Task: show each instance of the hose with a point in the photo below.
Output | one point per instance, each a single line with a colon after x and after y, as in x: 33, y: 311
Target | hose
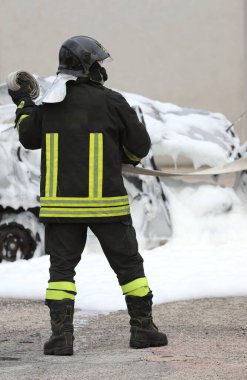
x: 230, y: 167
x: 17, y: 78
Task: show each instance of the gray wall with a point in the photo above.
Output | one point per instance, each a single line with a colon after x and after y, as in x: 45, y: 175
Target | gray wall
x: 189, y: 52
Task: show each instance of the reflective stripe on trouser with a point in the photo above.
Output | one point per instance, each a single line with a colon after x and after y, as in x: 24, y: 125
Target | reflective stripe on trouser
x: 138, y: 287
x: 60, y: 290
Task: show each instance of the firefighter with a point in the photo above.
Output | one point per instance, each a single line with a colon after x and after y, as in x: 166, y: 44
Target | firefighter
x: 84, y: 139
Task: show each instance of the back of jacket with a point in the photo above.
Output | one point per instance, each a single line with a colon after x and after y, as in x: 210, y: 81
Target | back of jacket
x: 84, y: 141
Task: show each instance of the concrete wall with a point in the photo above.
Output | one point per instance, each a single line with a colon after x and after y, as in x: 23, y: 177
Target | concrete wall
x: 189, y: 52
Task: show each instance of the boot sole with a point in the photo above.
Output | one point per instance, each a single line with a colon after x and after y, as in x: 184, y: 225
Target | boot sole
x: 59, y: 351
x: 139, y: 344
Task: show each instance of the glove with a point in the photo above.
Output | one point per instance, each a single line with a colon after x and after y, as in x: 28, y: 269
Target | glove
x: 21, y: 94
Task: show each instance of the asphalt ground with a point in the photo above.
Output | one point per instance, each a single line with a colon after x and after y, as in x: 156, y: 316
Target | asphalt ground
x: 207, y: 340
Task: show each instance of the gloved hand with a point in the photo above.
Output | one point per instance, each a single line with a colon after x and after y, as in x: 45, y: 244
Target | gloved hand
x: 21, y: 94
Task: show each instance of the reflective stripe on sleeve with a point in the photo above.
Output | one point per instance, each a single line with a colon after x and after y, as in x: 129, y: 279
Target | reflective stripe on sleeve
x: 22, y: 117
x: 21, y: 104
x: 131, y: 156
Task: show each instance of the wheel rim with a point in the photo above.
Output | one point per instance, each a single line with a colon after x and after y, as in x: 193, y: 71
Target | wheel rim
x: 16, y: 242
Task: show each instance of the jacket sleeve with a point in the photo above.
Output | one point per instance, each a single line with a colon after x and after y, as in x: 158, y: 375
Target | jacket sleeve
x: 28, y: 123
x: 135, y: 138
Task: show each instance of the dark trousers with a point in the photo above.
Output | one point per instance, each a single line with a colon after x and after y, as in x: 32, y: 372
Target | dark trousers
x: 64, y: 242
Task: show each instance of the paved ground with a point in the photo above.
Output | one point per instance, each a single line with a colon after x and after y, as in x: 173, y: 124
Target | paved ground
x: 208, y: 340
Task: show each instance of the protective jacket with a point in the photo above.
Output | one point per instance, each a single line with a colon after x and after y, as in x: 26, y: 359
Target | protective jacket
x: 84, y: 139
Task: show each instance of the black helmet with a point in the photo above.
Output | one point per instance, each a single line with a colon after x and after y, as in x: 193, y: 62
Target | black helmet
x: 79, y: 53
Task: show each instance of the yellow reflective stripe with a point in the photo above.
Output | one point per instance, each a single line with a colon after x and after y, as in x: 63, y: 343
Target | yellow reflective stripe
x: 100, y: 164
x: 95, y: 165
x: 140, y: 292
x: 84, y: 202
x: 20, y: 120
x: 22, y: 104
x: 58, y: 295
x: 84, y: 212
x: 134, y: 285
x: 55, y: 164
x: 89, y: 204
x: 91, y: 165
x: 62, y: 285
x: 44, y: 214
x: 117, y: 198
x: 87, y: 209
x: 131, y: 156
x: 48, y: 164
x: 51, y: 164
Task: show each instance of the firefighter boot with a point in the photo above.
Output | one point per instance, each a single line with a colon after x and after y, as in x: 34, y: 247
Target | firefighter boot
x: 143, y: 331
x: 61, y: 340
